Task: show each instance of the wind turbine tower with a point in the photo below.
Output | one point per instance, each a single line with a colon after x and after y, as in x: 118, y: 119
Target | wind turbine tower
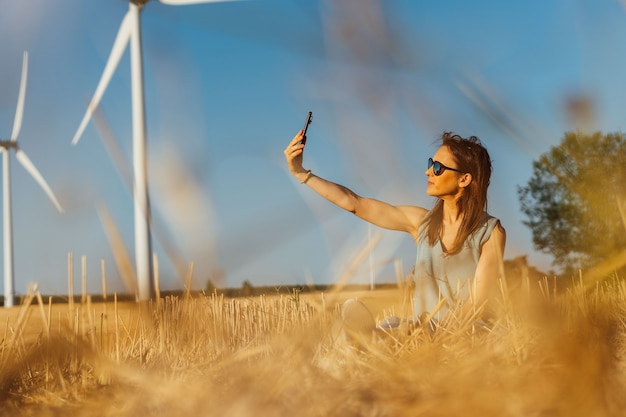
x: 130, y: 33
x: 5, y: 147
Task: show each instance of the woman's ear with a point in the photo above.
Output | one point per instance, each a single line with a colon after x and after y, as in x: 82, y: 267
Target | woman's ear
x: 465, y: 180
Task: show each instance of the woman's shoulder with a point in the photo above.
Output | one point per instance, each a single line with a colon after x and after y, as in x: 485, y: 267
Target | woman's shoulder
x: 492, y: 222
x: 486, y: 228
x: 414, y: 212
x: 417, y: 214
x: 414, y: 216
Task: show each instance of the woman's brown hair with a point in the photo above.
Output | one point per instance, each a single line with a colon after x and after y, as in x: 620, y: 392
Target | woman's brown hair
x: 471, y: 157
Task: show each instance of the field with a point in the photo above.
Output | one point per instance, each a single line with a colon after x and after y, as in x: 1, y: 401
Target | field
x: 549, y: 353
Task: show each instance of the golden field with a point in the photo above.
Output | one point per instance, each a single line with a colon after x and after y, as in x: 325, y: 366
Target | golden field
x: 548, y: 353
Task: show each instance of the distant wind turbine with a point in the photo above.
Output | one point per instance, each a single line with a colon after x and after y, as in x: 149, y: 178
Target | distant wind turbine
x: 130, y: 32
x: 5, y: 148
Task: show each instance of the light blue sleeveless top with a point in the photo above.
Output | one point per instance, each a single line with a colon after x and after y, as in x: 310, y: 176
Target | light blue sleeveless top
x: 439, y: 275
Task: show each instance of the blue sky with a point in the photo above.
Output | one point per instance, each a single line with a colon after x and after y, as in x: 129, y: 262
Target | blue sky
x: 228, y: 84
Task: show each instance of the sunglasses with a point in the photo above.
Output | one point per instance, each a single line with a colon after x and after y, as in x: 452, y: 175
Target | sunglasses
x: 439, y: 168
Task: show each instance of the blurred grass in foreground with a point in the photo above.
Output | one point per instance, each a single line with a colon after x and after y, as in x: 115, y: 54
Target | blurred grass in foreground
x: 547, y: 355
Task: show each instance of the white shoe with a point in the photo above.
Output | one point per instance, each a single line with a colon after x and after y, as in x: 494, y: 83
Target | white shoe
x: 390, y: 323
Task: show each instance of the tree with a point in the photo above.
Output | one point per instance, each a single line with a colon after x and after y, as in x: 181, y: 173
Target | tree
x: 210, y: 287
x: 575, y: 201
x: 247, y: 290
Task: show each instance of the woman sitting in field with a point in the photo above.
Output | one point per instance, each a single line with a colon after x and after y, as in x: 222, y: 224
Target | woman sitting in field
x: 459, y: 245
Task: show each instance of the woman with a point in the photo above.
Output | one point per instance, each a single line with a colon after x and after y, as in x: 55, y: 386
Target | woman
x: 459, y: 245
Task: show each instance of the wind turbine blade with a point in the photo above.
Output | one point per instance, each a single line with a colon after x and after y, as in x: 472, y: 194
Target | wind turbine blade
x: 114, y: 149
x: 32, y: 170
x: 187, y: 2
x: 121, y: 40
x: 19, y: 111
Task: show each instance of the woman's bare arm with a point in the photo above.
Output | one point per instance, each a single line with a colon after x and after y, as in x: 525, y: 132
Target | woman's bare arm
x: 489, y: 269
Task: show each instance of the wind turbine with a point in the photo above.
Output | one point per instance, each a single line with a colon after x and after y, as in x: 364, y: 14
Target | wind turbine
x: 5, y: 148
x: 130, y: 33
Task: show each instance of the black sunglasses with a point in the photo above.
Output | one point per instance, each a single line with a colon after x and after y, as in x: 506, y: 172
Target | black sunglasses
x: 439, y: 168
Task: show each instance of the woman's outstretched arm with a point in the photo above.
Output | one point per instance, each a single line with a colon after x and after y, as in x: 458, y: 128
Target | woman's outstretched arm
x: 379, y: 213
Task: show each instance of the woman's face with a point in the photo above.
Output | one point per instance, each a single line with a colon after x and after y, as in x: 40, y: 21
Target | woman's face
x: 448, y: 183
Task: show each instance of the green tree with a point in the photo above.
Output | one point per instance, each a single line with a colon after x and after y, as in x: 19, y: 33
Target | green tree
x: 574, y: 200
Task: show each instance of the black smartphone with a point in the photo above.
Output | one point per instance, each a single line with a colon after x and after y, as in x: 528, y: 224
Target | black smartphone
x: 306, y: 126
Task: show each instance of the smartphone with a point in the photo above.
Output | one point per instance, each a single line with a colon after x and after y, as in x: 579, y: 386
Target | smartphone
x: 306, y: 126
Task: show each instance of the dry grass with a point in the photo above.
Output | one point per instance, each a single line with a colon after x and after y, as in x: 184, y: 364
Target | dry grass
x: 281, y: 356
